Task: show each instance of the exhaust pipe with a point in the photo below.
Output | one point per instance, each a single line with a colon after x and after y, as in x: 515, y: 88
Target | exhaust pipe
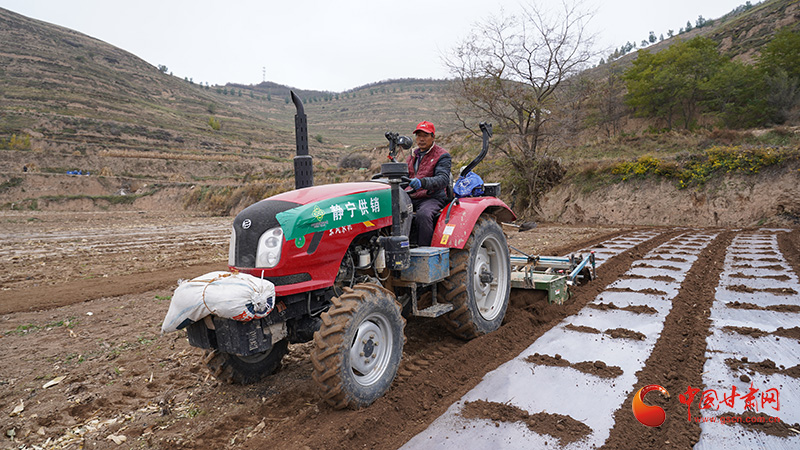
x: 303, y: 162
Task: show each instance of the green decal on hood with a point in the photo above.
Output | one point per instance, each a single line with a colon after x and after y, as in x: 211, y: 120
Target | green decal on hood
x: 335, y: 212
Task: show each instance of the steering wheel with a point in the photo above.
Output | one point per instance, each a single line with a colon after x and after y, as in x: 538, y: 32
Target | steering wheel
x: 405, y: 181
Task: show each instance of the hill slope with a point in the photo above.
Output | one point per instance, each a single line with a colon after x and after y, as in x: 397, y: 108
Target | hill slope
x: 88, y: 105
x: 70, y: 90
x: 69, y: 101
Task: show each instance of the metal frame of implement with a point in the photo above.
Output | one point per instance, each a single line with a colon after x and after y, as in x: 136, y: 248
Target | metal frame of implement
x: 551, y: 274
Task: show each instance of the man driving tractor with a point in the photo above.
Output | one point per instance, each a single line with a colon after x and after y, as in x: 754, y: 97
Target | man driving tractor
x: 429, y: 170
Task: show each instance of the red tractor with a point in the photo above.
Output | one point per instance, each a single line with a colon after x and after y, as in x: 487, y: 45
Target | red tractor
x: 346, y: 273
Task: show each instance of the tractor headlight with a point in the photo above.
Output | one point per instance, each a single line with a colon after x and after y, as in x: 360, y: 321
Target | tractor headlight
x: 269, y: 248
x: 232, y: 249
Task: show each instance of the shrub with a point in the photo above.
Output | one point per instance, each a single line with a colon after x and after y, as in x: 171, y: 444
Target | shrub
x: 644, y: 166
x: 12, y: 182
x: 697, y: 169
x: 22, y: 142
x: 355, y: 161
x: 718, y: 160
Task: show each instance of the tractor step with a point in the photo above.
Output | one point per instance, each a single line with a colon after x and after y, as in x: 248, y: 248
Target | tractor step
x: 436, y: 310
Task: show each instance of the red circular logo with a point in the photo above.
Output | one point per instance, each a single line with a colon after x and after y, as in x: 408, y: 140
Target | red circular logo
x: 652, y: 416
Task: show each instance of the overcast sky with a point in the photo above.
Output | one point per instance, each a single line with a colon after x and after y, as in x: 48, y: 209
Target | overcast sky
x: 330, y: 45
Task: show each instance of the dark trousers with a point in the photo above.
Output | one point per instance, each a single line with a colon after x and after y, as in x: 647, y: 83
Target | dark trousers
x: 426, y: 208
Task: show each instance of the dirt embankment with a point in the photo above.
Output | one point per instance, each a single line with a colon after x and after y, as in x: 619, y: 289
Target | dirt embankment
x: 770, y: 197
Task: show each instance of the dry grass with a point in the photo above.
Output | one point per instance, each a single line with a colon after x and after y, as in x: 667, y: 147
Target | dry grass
x: 168, y: 155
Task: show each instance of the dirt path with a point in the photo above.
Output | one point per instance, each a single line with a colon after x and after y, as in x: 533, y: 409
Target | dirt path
x: 685, y: 330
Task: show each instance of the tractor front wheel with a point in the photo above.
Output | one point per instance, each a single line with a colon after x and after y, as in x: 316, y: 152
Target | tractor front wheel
x: 358, y: 348
x: 236, y: 369
x: 479, y: 284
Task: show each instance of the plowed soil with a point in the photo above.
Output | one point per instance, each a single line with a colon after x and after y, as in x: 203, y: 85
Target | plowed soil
x: 85, y: 366
x: 83, y: 296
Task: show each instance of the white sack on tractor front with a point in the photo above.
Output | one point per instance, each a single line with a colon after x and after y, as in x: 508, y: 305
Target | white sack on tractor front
x: 236, y: 296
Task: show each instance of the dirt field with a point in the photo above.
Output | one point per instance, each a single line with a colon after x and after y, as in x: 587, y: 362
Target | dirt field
x: 84, y: 364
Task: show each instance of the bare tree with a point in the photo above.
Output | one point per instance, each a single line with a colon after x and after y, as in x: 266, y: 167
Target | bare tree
x: 607, y: 105
x: 509, y: 70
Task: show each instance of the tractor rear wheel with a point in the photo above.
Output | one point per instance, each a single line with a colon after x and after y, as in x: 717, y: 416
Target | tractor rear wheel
x: 236, y: 369
x: 479, y: 284
x: 358, y: 348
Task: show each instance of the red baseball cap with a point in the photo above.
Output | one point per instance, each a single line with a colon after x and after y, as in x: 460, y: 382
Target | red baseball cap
x: 426, y: 127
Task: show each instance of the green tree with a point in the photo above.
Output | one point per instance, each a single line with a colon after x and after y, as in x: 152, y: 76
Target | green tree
x: 783, y: 95
x: 701, y: 22
x: 735, y: 93
x: 780, y: 60
x: 782, y: 53
x: 669, y: 84
x: 214, y: 123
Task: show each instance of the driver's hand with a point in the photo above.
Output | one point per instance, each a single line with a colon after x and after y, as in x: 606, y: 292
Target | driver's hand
x: 415, y: 184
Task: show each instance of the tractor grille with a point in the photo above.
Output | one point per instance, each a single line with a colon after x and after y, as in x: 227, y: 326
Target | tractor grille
x: 259, y: 217
x: 289, y: 279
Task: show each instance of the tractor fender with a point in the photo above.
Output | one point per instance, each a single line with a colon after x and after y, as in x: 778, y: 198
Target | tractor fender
x: 463, y: 215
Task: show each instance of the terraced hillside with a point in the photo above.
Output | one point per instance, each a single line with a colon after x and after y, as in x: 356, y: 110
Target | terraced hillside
x: 72, y: 101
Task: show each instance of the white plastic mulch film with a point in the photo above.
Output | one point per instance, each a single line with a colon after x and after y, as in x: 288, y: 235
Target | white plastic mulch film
x: 236, y: 296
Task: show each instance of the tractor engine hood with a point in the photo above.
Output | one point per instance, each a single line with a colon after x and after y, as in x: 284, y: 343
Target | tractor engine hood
x: 332, y: 206
x: 303, y: 212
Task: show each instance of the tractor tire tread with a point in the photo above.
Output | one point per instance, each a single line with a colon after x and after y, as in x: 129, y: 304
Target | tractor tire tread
x: 226, y: 369
x: 460, y: 320
x: 326, y: 354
